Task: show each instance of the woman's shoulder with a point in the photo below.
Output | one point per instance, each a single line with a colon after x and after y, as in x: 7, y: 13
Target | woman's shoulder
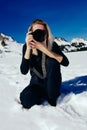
x: 55, y: 46
x: 24, y: 47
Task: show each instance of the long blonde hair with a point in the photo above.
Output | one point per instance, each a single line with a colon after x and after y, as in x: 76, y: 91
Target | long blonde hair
x: 50, y: 37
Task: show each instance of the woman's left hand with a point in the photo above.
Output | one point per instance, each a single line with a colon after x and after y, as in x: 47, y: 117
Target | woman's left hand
x: 43, y: 48
x: 40, y: 46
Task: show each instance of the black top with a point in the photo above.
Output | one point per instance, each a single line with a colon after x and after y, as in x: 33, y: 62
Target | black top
x: 35, y: 61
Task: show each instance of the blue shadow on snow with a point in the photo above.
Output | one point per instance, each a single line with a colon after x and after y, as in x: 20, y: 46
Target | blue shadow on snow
x: 76, y: 85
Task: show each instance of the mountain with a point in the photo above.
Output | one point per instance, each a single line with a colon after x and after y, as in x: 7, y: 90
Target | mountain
x: 76, y: 44
x: 65, y: 45
x: 79, y: 43
x: 8, y: 44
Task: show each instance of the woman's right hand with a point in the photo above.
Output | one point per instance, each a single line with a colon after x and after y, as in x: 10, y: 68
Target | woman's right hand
x: 30, y: 46
x: 29, y: 39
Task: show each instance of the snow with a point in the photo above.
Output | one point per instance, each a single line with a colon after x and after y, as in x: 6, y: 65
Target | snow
x: 71, y: 110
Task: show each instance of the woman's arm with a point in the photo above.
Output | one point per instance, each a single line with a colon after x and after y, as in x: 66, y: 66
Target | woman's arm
x: 27, y: 48
x: 57, y: 50
x: 24, y: 67
x: 42, y: 47
x: 55, y: 53
x: 49, y: 53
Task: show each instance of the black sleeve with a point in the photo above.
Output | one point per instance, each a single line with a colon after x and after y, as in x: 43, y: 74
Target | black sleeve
x: 24, y: 67
x: 56, y: 49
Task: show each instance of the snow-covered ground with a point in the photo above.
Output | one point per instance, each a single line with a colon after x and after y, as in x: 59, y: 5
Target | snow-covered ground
x: 71, y: 110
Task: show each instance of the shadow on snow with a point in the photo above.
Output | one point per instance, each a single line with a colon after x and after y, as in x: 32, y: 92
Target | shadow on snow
x: 76, y: 85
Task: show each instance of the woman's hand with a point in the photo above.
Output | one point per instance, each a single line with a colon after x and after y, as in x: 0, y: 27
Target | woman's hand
x: 29, y: 39
x: 31, y: 44
x: 38, y: 45
x: 43, y: 48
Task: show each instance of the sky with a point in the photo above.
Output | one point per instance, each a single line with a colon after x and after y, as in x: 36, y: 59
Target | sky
x: 66, y: 18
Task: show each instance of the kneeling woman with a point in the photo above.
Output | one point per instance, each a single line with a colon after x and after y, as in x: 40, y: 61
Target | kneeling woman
x: 43, y: 57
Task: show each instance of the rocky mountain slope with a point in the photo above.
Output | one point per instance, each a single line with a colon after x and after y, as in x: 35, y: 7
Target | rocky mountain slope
x: 7, y: 44
x: 76, y: 44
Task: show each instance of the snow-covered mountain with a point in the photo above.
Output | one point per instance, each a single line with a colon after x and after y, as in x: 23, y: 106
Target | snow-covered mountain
x: 4, y: 37
x: 64, y: 45
x: 79, y: 43
x: 7, y: 44
x: 76, y: 44
x: 71, y: 110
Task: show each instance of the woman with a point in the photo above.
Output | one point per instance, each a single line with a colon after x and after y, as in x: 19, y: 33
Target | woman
x: 43, y: 57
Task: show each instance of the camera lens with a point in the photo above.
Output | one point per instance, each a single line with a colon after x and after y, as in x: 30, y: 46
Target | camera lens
x: 39, y: 35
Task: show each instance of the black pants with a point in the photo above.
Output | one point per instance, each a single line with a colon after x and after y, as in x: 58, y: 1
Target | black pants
x: 43, y: 89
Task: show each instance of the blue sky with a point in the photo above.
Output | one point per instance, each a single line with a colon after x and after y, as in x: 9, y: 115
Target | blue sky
x: 66, y: 18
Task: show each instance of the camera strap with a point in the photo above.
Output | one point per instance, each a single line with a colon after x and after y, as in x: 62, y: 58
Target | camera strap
x: 43, y: 68
x: 43, y: 64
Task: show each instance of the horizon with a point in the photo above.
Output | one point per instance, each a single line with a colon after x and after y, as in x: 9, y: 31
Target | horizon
x: 54, y: 37
x: 66, y: 18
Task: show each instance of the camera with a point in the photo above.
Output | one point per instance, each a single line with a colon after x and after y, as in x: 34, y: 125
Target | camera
x: 39, y: 35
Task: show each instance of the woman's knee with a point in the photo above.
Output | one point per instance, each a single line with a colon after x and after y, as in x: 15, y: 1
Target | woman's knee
x: 52, y: 98
x: 30, y: 96
x: 24, y: 98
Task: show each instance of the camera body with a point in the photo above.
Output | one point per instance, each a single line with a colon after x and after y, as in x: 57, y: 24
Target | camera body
x: 39, y: 35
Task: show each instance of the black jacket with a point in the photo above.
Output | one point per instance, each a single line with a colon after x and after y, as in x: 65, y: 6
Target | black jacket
x: 35, y: 61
